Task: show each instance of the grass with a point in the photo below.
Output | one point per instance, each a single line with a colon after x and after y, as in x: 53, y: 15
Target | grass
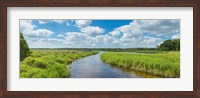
x: 50, y: 63
x: 165, y: 64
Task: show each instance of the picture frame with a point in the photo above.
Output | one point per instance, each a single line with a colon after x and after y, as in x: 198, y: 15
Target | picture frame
x: 100, y: 94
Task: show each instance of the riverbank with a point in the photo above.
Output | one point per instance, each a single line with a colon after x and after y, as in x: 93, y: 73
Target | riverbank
x: 165, y: 64
x: 50, y: 63
x: 93, y: 67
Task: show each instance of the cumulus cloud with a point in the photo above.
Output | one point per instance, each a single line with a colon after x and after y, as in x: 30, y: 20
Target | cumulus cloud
x: 78, y: 39
x: 29, y: 30
x: 42, y: 21
x: 108, y: 39
x: 138, y: 33
x: 146, y: 32
x: 82, y: 23
x: 45, y: 21
x: 26, y: 25
x: 92, y: 30
x: 150, y: 41
x: 158, y: 27
x: 115, y: 33
x: 38, y: 33
x: 153, y: 27
x: 45, y: 42
x: 142, y: 41
x: 60, y: 35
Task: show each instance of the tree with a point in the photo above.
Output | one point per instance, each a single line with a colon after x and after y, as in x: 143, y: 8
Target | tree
x: 24, y: 49
x: 170, y: 45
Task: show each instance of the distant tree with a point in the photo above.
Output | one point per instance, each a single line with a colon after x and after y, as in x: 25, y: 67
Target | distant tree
x: 170, y: 45
x: 24, y: 49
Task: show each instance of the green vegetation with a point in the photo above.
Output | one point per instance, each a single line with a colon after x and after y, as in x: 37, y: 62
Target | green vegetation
x: 50, y: 63
x: 170, y: 45
x: 24, y: 49
x: 165, y: 64
x: 148, y: 50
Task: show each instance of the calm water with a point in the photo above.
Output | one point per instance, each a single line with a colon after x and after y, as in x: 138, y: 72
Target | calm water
x: 94, y: 67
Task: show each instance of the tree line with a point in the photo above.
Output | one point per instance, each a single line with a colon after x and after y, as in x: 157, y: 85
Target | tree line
x: 170, y: 45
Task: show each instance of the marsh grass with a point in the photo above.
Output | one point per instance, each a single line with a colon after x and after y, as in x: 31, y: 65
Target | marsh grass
x: 165, y: 64
x: 50, y: 63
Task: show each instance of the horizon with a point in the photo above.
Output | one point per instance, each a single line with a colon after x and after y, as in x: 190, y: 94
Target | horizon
x: 92, y: 48
x: 99, y: 33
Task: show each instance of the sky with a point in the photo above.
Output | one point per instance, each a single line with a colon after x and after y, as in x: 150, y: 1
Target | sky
x: 98, y: 33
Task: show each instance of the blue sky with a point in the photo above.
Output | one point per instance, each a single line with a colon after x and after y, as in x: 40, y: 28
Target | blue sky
x: 98, y: 33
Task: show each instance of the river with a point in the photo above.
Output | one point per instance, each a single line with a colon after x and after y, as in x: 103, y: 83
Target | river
x: 93, y: 67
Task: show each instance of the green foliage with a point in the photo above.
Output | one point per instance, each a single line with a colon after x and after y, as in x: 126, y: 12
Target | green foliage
x: 170, y: 45
x: 24, y: 49
x: 165, y: 64
x: 50, y: 63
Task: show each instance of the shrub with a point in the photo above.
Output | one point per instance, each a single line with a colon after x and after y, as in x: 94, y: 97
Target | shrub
x: 39, y: 63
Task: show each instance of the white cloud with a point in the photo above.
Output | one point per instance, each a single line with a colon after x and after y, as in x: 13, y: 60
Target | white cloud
x: 99, y: 38
x: 153, y: 27
x: 45, y: 42
x: 59, y: 21
x: 77, y: 37
x: 45, y: 21
x: 82, y: 23
x: 69, y: 22
x: 28, y: 29
x: 42, y: 21
x: 158, y: 27
x: 139, y: 33
x: 150, y: 40
x: 38, y: 33
x: 26, y: 25
x: 60, y: 35
x: 176, y: 36
x: 145, y: 33
x: 54, y: 40
x: 92, y: 31
x: 142, y: 41
x: 129, y: 31
x: 34, y: 43
x: 115, y: 33
x: 108, y: 39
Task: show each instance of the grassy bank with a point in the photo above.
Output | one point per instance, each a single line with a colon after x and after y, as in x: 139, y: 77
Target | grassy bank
x: 50, y: 63
x: 166, y: 64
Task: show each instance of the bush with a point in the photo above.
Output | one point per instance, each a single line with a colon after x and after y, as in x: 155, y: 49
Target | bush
x: 40, y: 64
